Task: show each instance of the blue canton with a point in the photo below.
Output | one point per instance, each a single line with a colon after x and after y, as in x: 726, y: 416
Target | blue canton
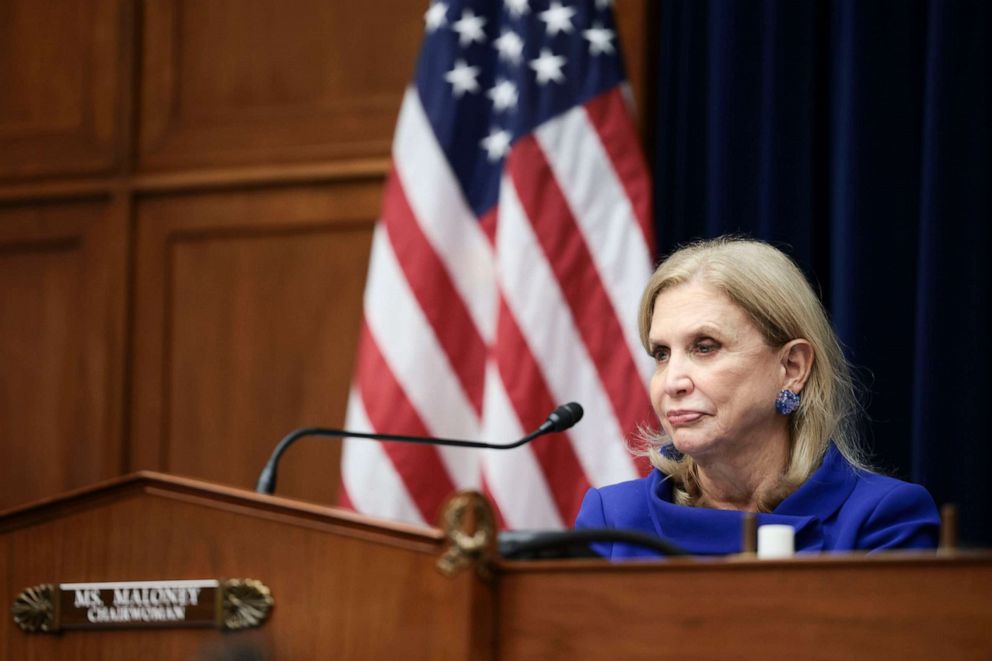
x: 489, y: 73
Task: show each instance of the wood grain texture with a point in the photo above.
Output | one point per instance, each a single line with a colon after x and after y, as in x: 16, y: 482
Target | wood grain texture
x: 62, y: 75
x: 860, y: 607
x: 344, y: 587
x: 61, y: 347
x: 247, y: 313
x: 350, y: 587
x: 186, y: 197
x: 265, y: 81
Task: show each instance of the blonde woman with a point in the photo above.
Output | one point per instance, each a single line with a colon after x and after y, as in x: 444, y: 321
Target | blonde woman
x: 757, y: 413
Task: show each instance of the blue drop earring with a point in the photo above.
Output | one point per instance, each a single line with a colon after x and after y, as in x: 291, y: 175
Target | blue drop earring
x: 786, y: 402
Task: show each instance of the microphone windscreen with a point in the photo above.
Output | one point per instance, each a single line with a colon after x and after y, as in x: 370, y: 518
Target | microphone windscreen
x: 565, y: 416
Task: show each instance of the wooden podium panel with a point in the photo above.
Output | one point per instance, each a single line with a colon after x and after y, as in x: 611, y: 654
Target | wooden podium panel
x: 348, y: 587
x: 892, y: 606
x: 344, y: 587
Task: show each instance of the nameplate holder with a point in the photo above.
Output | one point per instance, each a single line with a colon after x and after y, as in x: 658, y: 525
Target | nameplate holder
x: 231, y: 604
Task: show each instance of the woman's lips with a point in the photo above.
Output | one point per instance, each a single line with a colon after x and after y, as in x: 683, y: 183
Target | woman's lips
x: 682, y: 418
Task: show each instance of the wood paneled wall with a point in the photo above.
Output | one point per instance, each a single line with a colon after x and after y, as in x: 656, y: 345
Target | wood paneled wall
x: 187, y: 197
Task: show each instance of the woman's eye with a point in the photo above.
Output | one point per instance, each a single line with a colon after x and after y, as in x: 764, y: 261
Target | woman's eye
x: 706, y: 347
x: 660, y: 354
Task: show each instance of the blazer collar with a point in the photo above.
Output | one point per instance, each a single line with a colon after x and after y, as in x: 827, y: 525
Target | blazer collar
x: 705, y: 531
x: 825, y: 490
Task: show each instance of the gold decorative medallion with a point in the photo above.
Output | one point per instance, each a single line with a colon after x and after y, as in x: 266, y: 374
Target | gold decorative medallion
x: 468, y: 522
x: 245, y: 603
x: 34, y: 609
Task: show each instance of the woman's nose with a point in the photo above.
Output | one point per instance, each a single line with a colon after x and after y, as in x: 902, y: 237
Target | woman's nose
x: 678, y: 379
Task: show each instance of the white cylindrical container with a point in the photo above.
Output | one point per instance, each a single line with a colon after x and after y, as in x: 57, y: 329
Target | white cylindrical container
x: 776, y: 541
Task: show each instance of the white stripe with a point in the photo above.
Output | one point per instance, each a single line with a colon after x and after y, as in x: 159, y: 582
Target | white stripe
x: 369, y: 477
x: 601, y: 208
x: 533, y: 295
x: 514, y: 477
x: 417, y: 360
x: 450, y: 226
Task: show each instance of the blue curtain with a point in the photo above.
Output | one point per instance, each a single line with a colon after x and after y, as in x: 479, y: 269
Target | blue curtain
x: 854, y: 134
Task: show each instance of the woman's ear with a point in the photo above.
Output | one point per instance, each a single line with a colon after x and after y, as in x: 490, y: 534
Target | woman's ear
x: 797, y: 363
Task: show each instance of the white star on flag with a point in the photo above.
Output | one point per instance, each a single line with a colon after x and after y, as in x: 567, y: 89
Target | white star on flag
x: 463, y: 78
x: 503, y: 95
x: 548, y: 67
x: 496, y: 144
x: 604, y: 4
x: 558, y: 18
x: 469, y: 28
x: 510, y: 46
x: 435, y: 17
x: 600, y: 39
x: 517, y: 7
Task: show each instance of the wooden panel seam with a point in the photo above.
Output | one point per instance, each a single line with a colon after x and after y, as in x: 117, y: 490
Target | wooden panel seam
x: 194, y: 181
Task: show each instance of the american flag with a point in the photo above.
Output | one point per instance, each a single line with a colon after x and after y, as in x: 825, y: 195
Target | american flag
x: 506, y: 269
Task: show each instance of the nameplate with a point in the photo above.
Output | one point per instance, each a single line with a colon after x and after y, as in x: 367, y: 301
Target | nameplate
x: 230, y: 604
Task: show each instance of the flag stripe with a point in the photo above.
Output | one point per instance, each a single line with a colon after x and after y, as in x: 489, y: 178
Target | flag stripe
x: 569, y: 257
x: 435, y: 292
x: 608, y: 113
x: 409, y: 346
x: 531, y: 399
x: 516, y: 478
x: 604, y: 214
x: 408, y: 343
x: 344, y: 501
x: 444, y: 217
x: 488, y: 222
x: 386, y: 407
x: 366, y: 462
x: 487, y: 492
x: 556, y: 344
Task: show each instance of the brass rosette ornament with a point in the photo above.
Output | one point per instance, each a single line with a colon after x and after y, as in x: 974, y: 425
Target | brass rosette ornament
x: 245, y: 603
x: 34, y: 609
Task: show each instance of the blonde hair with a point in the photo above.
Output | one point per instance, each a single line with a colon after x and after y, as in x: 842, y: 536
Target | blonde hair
x: 772, y: 291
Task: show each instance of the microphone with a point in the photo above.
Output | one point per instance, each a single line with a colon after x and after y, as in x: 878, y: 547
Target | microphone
x: 555, y: 544
x: 562, y: 418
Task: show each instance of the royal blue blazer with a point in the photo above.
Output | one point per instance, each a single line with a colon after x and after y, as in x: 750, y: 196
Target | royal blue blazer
x: 838, y: 508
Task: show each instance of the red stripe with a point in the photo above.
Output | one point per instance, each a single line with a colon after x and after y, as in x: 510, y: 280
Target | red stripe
x: 608, y: 114
x: 390, y: 411
x: 344, y: 500
x: 531, y: 399
x: 488, y: 493
x: 436, y: 294
x: 488, y: 222
x: 570, y: 259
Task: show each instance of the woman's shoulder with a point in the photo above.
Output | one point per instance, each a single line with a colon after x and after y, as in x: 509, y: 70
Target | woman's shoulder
x: 884, y: 512
x: 875, y: 490
x: 615, y: 503
x: 866, y: 487
x: 860, y: 509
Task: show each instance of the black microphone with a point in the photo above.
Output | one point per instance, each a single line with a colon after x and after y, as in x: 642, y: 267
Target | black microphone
x: 555, y: 544
x: 562, y: 418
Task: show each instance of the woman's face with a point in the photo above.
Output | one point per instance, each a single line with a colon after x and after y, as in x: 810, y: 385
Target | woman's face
x: 715, y: 378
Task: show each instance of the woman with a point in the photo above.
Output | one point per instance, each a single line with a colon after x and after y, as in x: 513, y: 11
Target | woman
x: 757, y: 412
